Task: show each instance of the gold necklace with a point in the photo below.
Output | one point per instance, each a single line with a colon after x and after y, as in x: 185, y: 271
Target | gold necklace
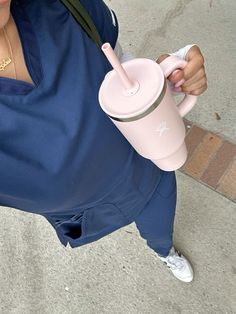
x: 6, y: 61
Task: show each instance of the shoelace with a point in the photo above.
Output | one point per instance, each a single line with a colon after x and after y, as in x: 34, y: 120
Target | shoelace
x: 175, y: 262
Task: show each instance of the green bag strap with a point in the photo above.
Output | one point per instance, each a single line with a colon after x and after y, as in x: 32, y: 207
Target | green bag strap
x: 84, y: 19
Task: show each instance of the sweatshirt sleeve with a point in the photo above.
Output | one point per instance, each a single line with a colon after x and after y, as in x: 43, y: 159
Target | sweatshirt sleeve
x: 126, y: 56
x: 182, y: 52
x: 122, y: 56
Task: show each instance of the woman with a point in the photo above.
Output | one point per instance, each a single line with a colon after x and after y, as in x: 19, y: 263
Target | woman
x: 60, y: 156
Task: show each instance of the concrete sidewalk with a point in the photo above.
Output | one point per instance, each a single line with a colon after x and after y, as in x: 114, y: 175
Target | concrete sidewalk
x: 152, y: 27
x: 119, y: 274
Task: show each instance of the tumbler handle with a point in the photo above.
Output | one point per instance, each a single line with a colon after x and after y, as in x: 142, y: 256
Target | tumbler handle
x: 169, y: 65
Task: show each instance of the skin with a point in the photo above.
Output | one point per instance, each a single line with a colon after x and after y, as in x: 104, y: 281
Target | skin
x: 4, y: 12
x: 193, y: 74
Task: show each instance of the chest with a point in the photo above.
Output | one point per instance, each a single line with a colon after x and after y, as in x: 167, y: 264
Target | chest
x: 11, y: 46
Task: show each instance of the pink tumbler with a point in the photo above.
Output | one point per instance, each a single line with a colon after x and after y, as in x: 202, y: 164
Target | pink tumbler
x: 137, y: 98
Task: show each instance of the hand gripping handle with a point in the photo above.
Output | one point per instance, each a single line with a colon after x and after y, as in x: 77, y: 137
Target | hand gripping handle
x: 169, y: 65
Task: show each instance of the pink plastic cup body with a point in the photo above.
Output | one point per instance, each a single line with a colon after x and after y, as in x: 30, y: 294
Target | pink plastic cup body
x: 160, y: 133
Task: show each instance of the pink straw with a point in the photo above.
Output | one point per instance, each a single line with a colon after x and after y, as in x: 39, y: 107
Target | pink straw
x: 114, y: 61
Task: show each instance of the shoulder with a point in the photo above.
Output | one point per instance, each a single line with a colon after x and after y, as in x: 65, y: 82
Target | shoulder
x: 104, y: 19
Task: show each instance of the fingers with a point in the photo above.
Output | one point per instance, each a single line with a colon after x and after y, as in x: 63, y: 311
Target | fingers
x: 198, y: 76
x: 199, y: 91
x: 176, y: 76
x: 195, y: 63
x: 197, y: 84
x: 195, y: 89
x: 192, y: 79
x: 194, y: 73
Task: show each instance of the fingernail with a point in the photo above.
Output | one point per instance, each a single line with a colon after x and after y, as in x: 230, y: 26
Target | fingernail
x: 175, y: 72
x: 181, y: 82
x: 177, y: 89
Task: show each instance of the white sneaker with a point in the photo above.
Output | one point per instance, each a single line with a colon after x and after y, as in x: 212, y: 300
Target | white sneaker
x: 179, y: 265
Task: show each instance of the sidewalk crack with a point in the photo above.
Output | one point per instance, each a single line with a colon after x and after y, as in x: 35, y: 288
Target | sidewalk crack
x: 168, y: 19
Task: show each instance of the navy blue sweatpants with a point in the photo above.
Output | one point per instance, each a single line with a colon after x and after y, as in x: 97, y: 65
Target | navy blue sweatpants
x: 156, y: 221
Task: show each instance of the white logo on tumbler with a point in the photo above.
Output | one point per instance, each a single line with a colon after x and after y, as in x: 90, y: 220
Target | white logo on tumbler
x: 162, y: 128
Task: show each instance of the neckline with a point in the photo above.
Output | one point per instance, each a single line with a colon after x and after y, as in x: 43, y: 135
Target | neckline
x: 30, y: 48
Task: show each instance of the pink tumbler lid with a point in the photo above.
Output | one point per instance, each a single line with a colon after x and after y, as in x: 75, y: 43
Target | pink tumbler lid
x: 113, y: 96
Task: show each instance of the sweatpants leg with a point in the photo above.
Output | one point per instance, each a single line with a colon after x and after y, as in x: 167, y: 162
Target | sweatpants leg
x: 156, y: 221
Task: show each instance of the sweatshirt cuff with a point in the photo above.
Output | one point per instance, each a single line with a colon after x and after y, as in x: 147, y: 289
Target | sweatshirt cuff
x: 126, y: 56
x: 182, y: 52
